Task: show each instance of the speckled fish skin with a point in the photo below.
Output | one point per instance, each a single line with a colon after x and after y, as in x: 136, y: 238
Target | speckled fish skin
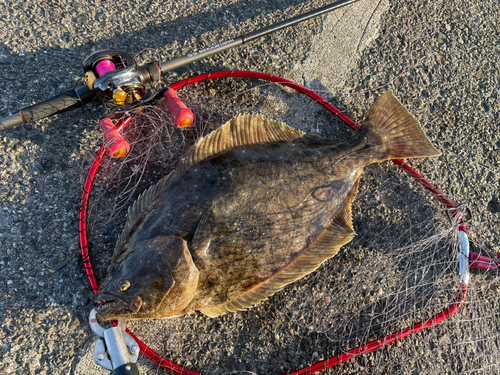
x: 255, y: 206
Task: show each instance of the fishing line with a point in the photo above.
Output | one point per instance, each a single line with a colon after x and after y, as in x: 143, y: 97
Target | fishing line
x: 372, y: 345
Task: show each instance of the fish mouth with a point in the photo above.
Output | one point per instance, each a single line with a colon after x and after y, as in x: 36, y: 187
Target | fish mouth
x: 113, y: 306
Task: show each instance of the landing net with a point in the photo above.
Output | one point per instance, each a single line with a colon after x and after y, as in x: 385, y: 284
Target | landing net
x: 401, y: 268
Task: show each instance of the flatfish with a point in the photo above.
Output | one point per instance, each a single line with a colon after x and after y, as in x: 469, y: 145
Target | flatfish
x: 254, y: 206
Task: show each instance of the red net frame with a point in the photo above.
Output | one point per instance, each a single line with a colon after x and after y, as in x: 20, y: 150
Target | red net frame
x: 335, y: 360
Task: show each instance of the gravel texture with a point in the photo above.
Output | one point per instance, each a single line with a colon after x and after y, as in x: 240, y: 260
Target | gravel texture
x: 451, y: 86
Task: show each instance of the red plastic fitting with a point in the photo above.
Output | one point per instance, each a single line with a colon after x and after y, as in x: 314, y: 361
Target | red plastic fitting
x: 482, y: 262
x: 181, y: 115
x: 114, y: 144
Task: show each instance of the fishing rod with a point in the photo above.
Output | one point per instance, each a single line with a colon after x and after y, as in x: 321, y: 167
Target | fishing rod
x: 117, y: 75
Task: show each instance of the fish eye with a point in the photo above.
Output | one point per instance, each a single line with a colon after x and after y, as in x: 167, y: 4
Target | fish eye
x: 123, y: 285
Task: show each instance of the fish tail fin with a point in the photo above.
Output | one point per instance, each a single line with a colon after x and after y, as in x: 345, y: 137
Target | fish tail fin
x: 391, y: 125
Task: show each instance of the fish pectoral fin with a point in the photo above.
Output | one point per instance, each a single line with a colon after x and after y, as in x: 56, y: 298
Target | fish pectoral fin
x: 213, y: 311
x: 184, y: 272
x: 203, y: 235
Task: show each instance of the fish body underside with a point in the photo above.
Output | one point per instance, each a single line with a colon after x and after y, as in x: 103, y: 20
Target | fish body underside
x: 250, y: 219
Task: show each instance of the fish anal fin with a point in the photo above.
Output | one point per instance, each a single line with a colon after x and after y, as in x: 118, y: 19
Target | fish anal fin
x: 213, y: 311
x: 327, y: 244
x: 391, y: 125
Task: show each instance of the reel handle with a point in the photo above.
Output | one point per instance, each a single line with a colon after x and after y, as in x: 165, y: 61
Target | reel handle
x: 181, y: 115
x: 115, y: 145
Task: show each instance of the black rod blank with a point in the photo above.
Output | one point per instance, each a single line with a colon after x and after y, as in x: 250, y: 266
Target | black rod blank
x: 295, y: 20
x: 220, y: 47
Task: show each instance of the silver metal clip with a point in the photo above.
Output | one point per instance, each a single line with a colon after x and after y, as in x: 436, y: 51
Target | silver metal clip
x: 463, y: 258
x: 115, y: 347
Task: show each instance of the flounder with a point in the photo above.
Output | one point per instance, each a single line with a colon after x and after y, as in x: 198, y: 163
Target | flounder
x: 254, y: 206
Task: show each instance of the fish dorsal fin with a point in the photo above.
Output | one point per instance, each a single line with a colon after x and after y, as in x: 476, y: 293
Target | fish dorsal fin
x: 242, y: 130
x: 135, y: 211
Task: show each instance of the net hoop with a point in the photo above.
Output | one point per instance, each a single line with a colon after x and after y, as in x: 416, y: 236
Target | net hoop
x: 335, y: 360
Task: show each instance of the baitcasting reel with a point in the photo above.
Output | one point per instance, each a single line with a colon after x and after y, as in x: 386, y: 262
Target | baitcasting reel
x: 115, y: 74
